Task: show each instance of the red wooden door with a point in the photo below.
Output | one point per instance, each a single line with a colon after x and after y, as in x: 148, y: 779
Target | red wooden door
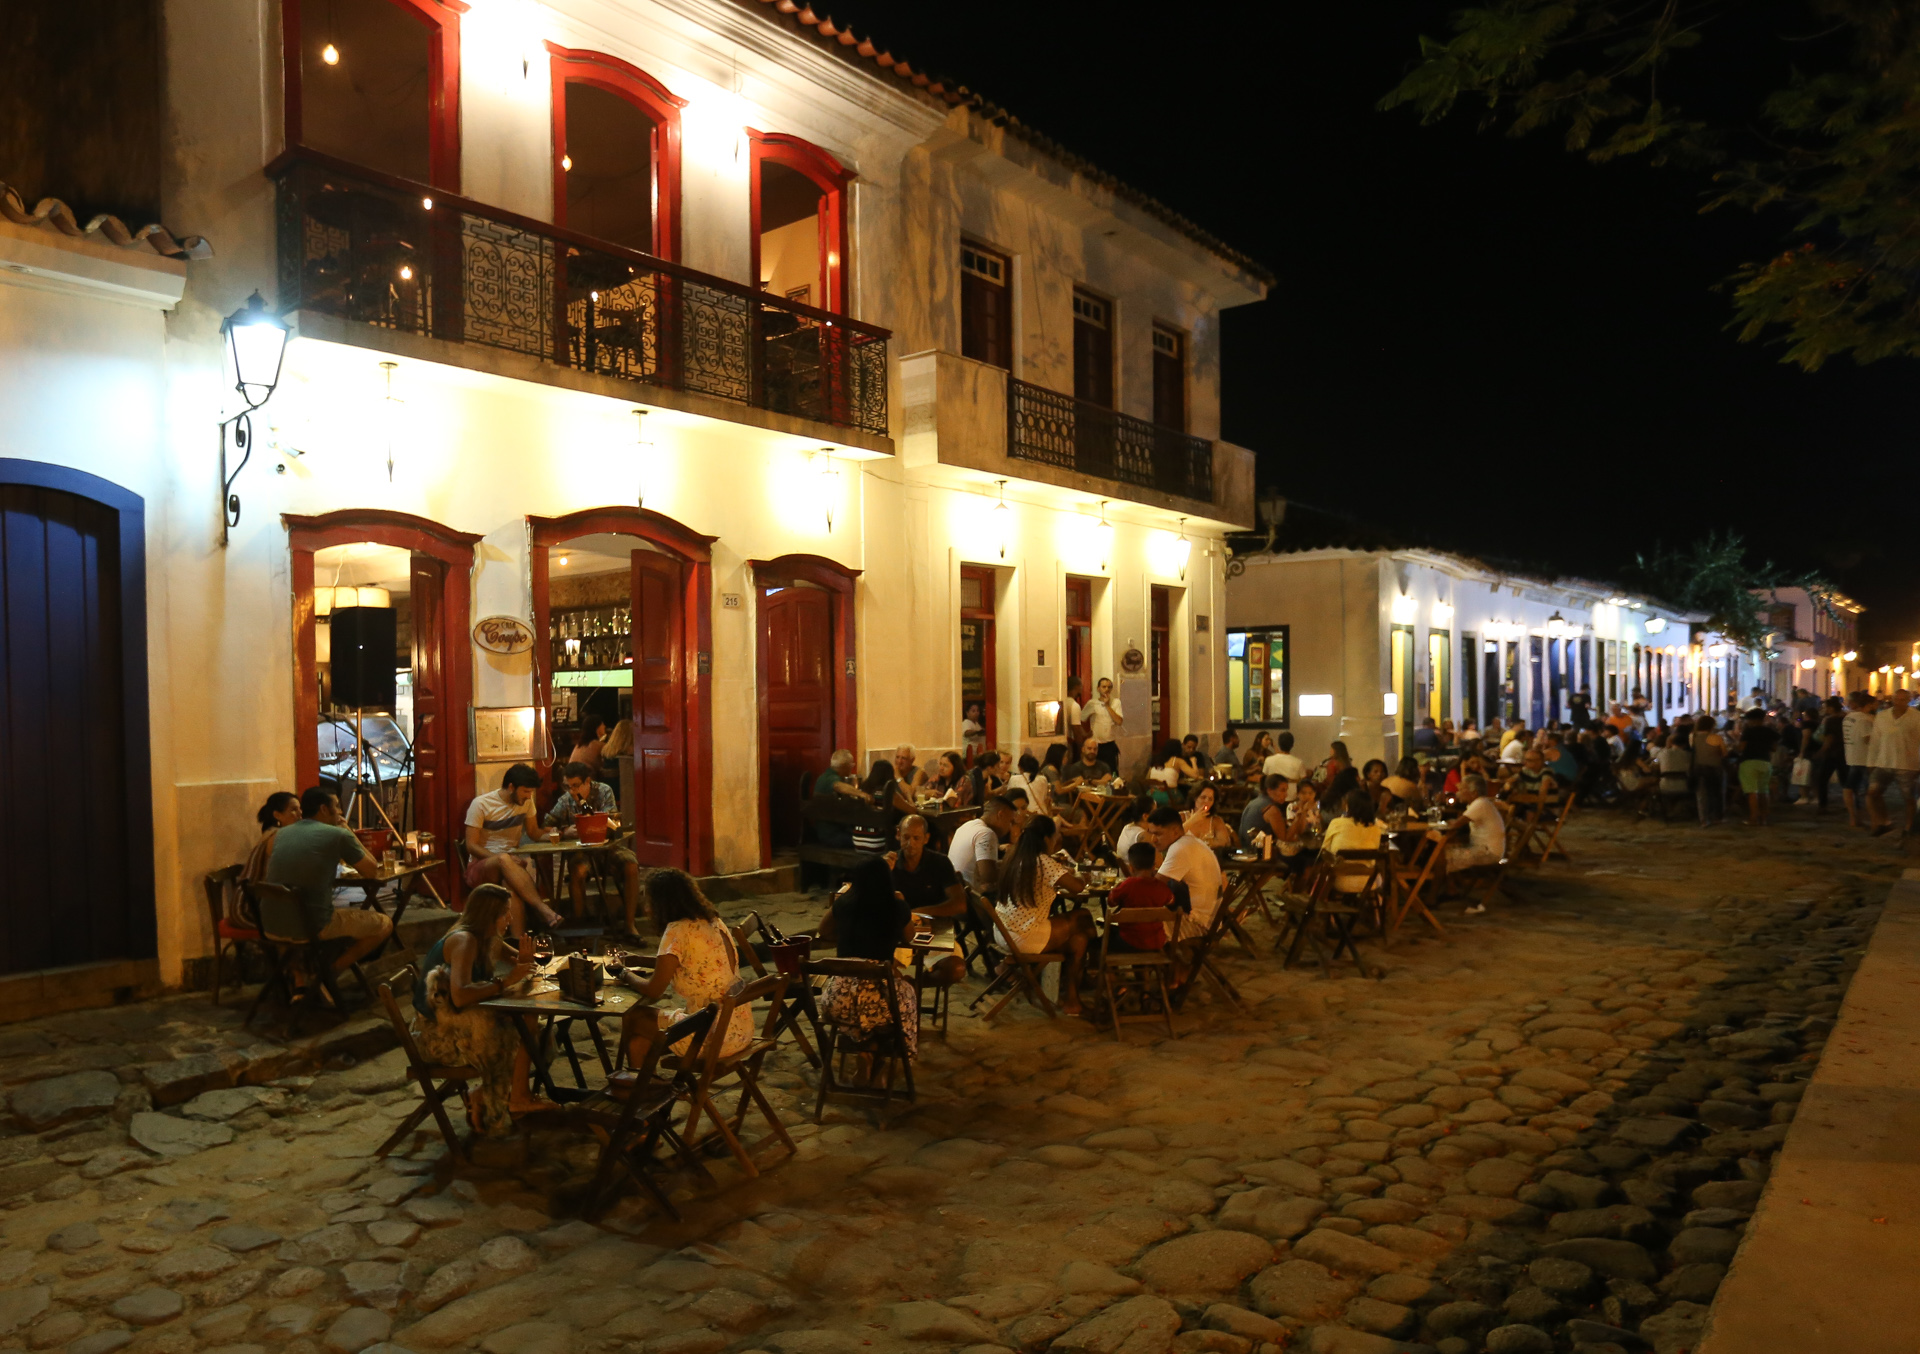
x: 659, y: 711
x: 1160, y: 655
x: 978, y: 684
x: 431, y: 785
x: 799, y: 677
x: 1080, y: 635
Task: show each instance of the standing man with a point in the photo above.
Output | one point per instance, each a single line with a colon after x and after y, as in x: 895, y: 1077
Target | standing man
x: 1758, y: 739
x: 1104, y: 720
x: 1074, y: 712
x: 1894, y: 756
x: 1856, y: 732
x: 306, y: 856
x: 496, y: 821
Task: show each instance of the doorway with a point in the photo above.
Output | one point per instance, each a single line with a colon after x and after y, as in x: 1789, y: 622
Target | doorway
x: 73, y: 684
x: 1080, y: 636
x: 806, y: 690
x: 414, y: 760
x: 1160, y: 661
x: 620, y: 596
x: 979, y: 691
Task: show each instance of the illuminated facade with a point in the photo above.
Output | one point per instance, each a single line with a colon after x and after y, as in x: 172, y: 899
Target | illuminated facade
x: 931, y: 413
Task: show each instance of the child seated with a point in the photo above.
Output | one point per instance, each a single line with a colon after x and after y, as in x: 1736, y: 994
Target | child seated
x: 1142, y: 888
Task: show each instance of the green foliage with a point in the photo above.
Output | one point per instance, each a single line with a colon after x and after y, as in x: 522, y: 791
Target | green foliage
x: 1840, y: 154
x: 1714, y: 578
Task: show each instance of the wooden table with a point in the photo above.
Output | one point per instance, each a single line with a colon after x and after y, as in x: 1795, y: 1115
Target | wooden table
x: 1243, y: 888
x: 539, y: 1006
x: 923, y: 953
x: 552, y: 850
x: 1106, y: 809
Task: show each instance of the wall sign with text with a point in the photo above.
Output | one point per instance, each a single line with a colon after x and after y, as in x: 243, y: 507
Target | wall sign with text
x: 503, y: 634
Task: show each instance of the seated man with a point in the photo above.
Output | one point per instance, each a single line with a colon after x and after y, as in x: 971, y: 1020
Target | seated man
x: 904, y: 769
x: 1089, y: 770
x: 1226, y: 760
x: 975, y: 849
x: 1426, y: 739
x: 306, y: 857
x: 1189, y: 866
x: 496, y: 821
x: 584, y: 794
x: 1486, y: 829
x: 838, y: 779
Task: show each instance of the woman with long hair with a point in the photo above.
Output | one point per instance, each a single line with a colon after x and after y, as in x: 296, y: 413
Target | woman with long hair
x: 868, y: 919
x: 282, y: 807
x: 449, y: 1025
x: 1355, y: 830
x: 1204, y: 821
x: 949, y: 781
x: 1338, y: 760
x: 1027, y: 777
x: 888, y: 790
x: 1254, y: 763
x: 696, y: 959
x: 1169, y: 771
x: 1030, y: 877
x: 1334, y: 796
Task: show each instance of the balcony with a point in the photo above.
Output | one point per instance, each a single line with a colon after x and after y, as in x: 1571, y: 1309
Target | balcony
x: 958, y: 412
x: 1044, y: 425
x: 364, y: 249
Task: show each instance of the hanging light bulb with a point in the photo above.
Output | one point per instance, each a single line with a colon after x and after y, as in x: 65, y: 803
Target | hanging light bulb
x: 1183, y: 550
x: 640, y: 448
x: 1002, y: 520
x: 1103, y: 535
x: 391, y: 409
x: 829, y: 485
x: 566, y: 162
x: 330, y: 54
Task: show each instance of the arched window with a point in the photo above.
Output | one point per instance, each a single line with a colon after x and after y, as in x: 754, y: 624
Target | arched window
x: 799, y: 221
x: 616, y: 152
x: 377, y: 83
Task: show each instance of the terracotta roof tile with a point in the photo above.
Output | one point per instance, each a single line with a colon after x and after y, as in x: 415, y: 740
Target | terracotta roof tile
x: 52, y: 212
x: 824, y: 33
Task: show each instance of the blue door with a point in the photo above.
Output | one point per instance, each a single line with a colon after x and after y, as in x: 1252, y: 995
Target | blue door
x: 1536, y: 681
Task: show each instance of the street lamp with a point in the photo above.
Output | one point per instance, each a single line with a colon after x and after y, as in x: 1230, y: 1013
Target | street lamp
x: 1557, y: 626
x: 256, y: 345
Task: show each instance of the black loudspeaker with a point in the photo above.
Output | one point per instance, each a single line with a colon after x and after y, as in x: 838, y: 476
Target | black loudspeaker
x: 364, y: 639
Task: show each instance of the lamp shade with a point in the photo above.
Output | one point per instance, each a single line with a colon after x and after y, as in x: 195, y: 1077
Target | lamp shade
x: 256, y: 345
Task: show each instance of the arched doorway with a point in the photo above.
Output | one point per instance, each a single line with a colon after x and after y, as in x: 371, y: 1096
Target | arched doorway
x: 73, y: 687
x: 668, y: 650
x: 435, y: 578
x: 804, y: 643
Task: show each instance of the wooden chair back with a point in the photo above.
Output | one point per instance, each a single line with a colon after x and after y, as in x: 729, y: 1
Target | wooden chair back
x: 1135, y: 916
x: 282, y: 920
x: 402, y: 1030
x: 222, y: 888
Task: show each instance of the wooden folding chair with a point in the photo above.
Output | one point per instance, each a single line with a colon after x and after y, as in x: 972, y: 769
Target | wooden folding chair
x: 1140, y: 965
x: 1316, y: 914
x: 437, y: 1081
x: 1020, y: 972
x: 709, y: 1071
x: 233, y: 929
x: 1199, y: 952
x: 1372, y: 872
x: 633, y: 1114
x: 973, y: 932
x: 1410, y: 879
x: 286, y: 936
x: 885, y: 1046
x: 1558, y: 822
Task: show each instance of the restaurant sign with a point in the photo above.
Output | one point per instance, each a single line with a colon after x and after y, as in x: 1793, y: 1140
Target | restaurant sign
x: 503, y: 634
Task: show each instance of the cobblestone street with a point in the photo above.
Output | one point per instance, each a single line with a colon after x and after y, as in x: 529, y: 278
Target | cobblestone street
x: 1544, y: 1131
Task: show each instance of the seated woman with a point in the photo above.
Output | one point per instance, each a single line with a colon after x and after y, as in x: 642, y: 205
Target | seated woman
x: 1336, y: 792
x: 1169, y: 772
x: 1404, y: 789
x: 868, y: 919
x: 282, y: 807
x: 987, y: 778
x: 1027, y: 777
x: 1053, y: 767
x: 1373, y: 777
x: 888, y: 790
x: 696, y: 959
x: 1338, y: 760
x: 450, y: 1028
x: 1255, y: 762
x: 1030, y: 877
x: 1471, y: 765
x: 1204, y: 821
x: 1302, y: 823
x: 949, y: 782
x: 1356, y: 830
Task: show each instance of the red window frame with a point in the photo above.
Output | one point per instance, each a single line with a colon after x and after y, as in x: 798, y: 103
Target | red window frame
x: 660, y: 104
x: 832, y: 178
x: 443, y: 81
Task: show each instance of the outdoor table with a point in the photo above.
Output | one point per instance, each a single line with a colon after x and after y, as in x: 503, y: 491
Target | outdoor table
x: 551, y: 851
x: 920, y: 955
x: 945, y: 822
x: 1243, y: 884
x: 1107, y: 808
x: 539, y: 1006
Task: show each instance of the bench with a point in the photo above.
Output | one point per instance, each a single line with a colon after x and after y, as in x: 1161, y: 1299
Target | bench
x: 839, y: 811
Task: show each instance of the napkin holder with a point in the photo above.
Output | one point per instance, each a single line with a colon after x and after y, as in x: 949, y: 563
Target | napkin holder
x: 579, y: 980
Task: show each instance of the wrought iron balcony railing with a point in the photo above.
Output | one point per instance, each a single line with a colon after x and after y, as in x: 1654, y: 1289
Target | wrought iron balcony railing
x: 375, y: 250
x: 1044, y: 425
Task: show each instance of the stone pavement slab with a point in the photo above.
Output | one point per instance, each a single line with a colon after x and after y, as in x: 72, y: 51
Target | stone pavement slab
x: 1832, y: 1256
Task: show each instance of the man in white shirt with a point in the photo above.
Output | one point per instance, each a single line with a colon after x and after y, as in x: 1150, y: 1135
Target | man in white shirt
x: 1856, y: 739
x: 1189, y: 862
x: 1283, y: 763
x: 975, y: 849
x: 496, y: 821
x: 1894, y: 755
x: 1104, y: 721
x: 1486, y: 828
x: 1073, y: 711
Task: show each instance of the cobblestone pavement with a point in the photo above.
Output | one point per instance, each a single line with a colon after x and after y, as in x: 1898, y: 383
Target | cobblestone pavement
x: 1541, y: 1132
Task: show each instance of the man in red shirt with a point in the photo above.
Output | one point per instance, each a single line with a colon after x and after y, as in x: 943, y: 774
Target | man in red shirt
x: 1142, y: 888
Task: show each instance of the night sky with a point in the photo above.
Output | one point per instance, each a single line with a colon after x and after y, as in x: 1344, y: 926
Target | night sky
x: 1486, y: 343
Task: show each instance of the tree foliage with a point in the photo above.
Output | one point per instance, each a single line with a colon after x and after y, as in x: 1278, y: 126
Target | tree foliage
x: 1713, y: 577
x: 1836, y: 149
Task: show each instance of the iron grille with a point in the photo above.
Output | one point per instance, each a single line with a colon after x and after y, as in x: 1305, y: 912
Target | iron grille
x: 396, y: 255
x: 1044, y: 425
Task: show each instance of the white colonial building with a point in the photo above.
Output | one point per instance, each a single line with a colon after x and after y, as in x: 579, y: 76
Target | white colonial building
x: 786, y: 398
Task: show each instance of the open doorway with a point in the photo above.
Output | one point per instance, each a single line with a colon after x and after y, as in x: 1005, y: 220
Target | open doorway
x: 383, y: 672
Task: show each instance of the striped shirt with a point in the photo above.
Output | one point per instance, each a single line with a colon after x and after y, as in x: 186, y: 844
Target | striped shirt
x: 501, y: 819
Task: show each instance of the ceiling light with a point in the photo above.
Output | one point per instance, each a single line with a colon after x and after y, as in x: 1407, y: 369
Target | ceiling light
x: 1002, y: 520
x: 330, y: 54
x: 1183, y: 550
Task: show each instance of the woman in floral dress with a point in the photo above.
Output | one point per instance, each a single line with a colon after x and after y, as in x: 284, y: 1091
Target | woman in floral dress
x: 697, y: 960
